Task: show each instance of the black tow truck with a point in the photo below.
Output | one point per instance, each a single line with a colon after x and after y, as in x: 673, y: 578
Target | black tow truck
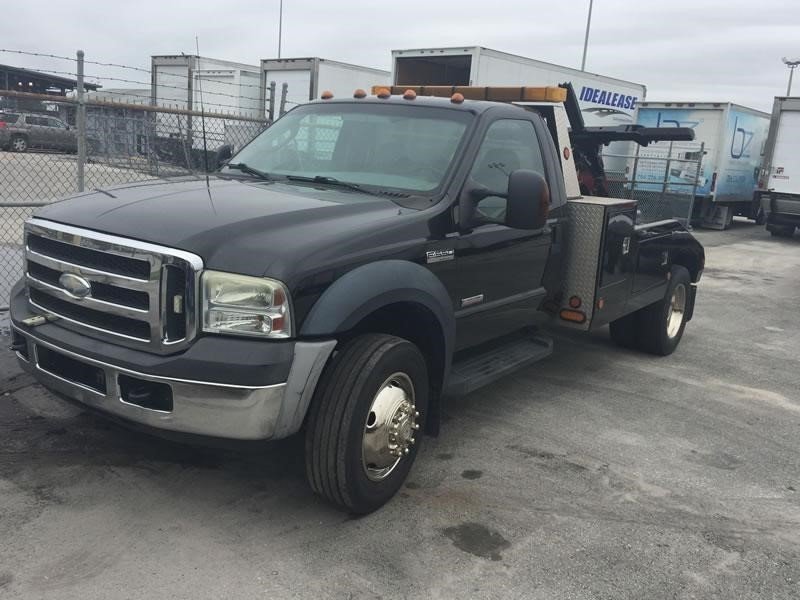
x: 357, y: 262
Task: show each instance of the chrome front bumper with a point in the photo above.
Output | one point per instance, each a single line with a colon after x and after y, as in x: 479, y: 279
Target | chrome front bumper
x: 197, y: 407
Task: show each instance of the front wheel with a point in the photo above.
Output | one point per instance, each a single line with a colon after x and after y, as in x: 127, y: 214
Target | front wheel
x: 363, y: 429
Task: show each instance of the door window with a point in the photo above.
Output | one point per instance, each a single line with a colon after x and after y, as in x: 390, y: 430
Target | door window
x: 509, y: 144
x: 36, y: 121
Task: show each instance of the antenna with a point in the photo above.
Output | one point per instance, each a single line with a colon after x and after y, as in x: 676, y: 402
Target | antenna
x: 202, y: 112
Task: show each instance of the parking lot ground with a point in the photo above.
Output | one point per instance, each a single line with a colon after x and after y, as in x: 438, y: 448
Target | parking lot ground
x: 45, y: 176
x: 598, y: 473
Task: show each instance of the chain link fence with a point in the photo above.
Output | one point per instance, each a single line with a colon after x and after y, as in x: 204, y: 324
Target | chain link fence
x: 664, y: 181
x: 46, y: 154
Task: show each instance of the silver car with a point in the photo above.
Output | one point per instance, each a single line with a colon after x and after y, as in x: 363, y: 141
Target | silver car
x: 20, y: 131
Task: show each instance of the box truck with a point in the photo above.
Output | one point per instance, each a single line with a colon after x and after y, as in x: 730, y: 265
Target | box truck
x: 731, y: 138
x: 227, y: 87
x: 603, y: 100
x: 779, y: 183
x: 307, y: 78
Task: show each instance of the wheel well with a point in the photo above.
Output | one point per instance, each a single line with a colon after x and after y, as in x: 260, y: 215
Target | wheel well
x: 415, y: 323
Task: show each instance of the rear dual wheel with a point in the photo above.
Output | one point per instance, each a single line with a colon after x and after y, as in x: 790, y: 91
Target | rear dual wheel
x: 364, y: 425
x: 658, y: 328
x: 781, y: 230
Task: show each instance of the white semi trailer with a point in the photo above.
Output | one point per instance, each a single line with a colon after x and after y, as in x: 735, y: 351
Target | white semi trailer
x: 602, y: 100
x: 307, y: 78
x: 732, y: 139
x: 779, y: 183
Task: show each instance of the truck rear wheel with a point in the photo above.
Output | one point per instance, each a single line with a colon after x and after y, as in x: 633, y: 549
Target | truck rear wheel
x: 661, y: 325
x: 623, y: 331
x: 19, y: 143
x: 363, y: 430
x: 781, y: 230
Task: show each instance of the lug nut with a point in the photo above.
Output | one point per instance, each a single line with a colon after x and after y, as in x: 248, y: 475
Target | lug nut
x: 405, y: 451
x: 416, y: 414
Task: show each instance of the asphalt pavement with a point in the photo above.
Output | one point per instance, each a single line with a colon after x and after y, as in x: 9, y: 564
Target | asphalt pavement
x: 597, y: 473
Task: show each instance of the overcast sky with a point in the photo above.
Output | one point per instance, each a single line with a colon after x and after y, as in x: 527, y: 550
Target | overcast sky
x: 680, y: 49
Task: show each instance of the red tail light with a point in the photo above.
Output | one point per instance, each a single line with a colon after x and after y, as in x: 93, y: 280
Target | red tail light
x: 3, y: 124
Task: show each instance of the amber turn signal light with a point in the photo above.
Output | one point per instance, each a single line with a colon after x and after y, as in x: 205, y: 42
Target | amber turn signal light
x: 575, y: 316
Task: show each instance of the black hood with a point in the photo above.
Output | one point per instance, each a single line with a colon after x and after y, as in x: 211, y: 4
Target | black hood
x: 234, y: 224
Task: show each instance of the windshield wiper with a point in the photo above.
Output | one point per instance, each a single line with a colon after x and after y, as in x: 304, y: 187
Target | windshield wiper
x: 250, y: 171
x: 331, y: 181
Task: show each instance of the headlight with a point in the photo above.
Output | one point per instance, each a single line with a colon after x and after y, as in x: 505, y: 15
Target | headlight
x: 242, y: 305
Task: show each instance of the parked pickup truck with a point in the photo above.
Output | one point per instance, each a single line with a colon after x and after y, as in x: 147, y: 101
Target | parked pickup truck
x: 357, y: 262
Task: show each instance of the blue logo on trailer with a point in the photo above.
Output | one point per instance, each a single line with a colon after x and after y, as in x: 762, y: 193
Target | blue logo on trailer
x: 740, y: 142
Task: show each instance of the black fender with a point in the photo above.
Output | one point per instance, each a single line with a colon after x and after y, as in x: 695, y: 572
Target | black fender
x: 365, y: 289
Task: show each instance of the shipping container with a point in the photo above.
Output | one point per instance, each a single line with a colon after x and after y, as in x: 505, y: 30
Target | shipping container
x: 732, y: 139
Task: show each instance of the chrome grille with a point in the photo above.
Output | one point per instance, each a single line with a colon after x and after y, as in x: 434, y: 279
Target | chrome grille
x: 132, y: 286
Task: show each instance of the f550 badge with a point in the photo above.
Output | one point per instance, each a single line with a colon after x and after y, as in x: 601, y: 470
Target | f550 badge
x: 434, y: 256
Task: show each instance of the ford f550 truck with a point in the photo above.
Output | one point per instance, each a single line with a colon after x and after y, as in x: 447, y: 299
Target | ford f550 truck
x: 357, y: 262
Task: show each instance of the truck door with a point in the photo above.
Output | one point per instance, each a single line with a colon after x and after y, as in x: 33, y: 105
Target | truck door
x: 500, y: 269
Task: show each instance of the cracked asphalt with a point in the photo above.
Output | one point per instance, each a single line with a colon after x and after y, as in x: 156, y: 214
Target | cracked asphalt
x: 597, y: 473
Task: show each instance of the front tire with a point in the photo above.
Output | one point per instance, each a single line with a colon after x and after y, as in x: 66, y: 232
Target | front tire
x: 364, y: 424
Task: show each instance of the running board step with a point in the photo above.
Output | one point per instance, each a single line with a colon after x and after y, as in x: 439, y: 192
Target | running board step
x: 478, y: 370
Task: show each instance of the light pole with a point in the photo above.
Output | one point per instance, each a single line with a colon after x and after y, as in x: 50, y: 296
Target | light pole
x: 586, y: 39
x: 792, y: 64
x: 280, y: 28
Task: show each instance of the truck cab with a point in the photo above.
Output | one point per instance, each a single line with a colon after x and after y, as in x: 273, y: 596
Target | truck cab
x: 360, y: 260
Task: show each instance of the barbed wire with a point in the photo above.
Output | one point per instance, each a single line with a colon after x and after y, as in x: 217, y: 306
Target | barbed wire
x: 121, y: 66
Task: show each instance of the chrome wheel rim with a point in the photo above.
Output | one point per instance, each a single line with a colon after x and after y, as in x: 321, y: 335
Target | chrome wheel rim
x: 389, y: 427
x: 677, y: 310
x: 19, y: 144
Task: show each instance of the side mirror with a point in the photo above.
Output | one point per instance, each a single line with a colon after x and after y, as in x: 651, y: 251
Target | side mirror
x: 528, y: 200
x: 223, y: 155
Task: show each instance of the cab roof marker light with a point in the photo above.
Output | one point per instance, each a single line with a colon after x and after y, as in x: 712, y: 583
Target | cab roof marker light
x: 359, y: 93
x: 384, y: 93
x: 327, y: 95
x: 457, y: 98
x: 409, y: 95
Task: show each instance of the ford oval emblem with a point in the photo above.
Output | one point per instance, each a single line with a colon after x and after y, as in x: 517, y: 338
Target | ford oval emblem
x: 75, y: 285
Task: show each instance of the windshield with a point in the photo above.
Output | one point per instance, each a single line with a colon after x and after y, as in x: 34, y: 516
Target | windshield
x: 388, y: 146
